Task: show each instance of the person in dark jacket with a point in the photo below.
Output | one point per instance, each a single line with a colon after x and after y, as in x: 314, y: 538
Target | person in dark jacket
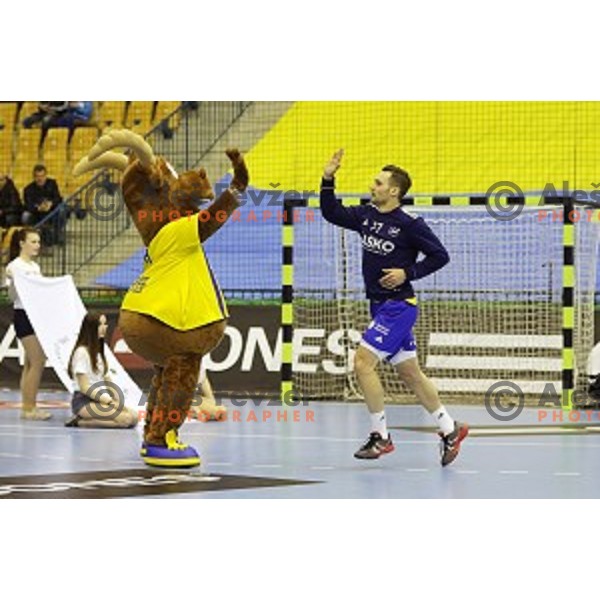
x: 46, y: 114
x: 42, y: 200
x: 11, y: 208
x: 60, y: 114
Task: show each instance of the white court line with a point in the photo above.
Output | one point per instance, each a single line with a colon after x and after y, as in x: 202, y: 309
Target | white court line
x: 270, y: 436
x: 9, y: 455
x: 322, y: 468
x: 50, y: 456
x: 418, y: 470
x: 574, y: 474
x: 267, y: 466
x: 25, y: 435
x: 232, y: 435
x: 429, y: 442
x: 220, y: 464
x: 60, y: 427
x: 465, y: 472
x: 525, y: 430
x: 90, y: 459
x: 514, y: 472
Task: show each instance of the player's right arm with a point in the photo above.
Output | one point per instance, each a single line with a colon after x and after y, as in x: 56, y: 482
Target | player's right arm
x: 332, y: 208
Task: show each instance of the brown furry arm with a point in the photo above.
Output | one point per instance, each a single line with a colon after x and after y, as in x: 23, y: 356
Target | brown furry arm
x: 219, y: 211
x: 229, y: 200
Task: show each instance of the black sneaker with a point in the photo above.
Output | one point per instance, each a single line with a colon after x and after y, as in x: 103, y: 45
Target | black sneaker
x: 73, y: 421
x: 375, y: 446
x: 451, y: 443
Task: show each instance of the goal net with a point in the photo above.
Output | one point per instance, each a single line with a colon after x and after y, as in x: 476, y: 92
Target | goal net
x: 494, y: 313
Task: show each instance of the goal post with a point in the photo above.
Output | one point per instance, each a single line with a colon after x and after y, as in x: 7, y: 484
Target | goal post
x: 515, y: 303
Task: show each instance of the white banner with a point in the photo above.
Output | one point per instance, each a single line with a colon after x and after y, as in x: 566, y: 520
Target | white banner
x: 56, y: 311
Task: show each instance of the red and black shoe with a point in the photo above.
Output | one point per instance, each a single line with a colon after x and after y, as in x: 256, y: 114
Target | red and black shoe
x: 450, y: 444
x: 375, y: 446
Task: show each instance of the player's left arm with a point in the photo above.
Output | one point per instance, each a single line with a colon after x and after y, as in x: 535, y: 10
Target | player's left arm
x: 424, y: 240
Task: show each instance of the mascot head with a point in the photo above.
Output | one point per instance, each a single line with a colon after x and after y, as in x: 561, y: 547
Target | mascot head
x: 154, y: 193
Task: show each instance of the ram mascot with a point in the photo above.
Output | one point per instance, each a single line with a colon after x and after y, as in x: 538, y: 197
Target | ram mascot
x: 175, y: 312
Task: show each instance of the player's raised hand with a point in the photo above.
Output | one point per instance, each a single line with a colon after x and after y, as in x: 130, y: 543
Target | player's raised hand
x: 333, y: 165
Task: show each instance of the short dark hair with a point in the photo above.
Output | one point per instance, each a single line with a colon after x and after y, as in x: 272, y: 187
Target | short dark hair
x: 38, y: 169
x: 399, y: 178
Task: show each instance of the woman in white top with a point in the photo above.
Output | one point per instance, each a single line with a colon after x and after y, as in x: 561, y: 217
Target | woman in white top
x: 24, y: 247
x: 96, y: 401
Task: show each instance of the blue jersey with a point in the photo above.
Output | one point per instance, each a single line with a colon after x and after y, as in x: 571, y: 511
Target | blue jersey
x: 391, y: 240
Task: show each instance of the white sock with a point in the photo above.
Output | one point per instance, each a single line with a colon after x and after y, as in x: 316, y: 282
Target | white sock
x: 378, y: 424
x: 443, y: 420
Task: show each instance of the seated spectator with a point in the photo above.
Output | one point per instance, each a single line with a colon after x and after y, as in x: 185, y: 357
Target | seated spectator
x: 11, y: 208
x: 46, y: 113
x: 42, y: 197
x: 60, y: 114
x: 78, y: 113
x: 93, y: 406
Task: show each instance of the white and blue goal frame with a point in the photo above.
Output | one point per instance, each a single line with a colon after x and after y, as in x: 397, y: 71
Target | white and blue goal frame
x: 568, y: 279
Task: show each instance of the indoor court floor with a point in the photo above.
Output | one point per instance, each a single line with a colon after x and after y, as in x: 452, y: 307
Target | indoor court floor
x: 258, y: 452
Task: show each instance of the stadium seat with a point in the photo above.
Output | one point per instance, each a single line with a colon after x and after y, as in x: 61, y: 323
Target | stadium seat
x: 81, y: 142
x: 8, y: 114
x: 27, y: 156
x: 22, y: 175
x: 111, y: 114
x: 28, y: 145
x: 75, y: 183
x: 54, y: 155
x: 139, y: 116
x: 6, y: 137
x: 163, y: 109
x: 27, y: 109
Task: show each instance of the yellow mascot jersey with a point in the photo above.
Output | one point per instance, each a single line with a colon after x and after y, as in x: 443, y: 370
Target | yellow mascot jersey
x: 177, y: 286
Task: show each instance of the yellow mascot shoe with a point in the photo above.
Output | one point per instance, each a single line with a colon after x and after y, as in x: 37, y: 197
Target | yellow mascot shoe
x: 173, y: 455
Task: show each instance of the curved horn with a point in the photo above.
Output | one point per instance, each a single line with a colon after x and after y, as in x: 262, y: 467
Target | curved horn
x: 127, y: 139
x: 110, y: 160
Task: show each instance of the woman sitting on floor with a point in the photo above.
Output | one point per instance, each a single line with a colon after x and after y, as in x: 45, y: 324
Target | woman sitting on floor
x: 93, y: 404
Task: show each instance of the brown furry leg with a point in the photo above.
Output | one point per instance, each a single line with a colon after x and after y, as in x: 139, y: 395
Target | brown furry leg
x: 175, y: 396
x: 154, y: 387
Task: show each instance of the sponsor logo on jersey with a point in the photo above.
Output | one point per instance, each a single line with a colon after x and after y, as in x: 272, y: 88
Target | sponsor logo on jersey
x: 377, y: 245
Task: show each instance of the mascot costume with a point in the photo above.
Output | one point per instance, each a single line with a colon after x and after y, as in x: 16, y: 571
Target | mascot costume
x: 175, y: 312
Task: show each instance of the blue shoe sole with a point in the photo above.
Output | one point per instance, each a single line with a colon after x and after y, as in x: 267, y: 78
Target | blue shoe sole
x: 172, y: 463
